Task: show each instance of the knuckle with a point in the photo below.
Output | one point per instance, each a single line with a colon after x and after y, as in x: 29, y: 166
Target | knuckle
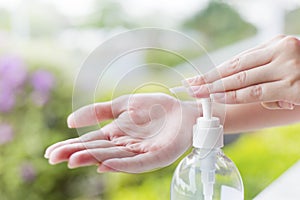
x: 241, y: 78
x: 232, y: 95
x: 199, y: 80
x: 211, y: 87
x: 234, y: 64
x: 296, y: 86
x: 280, y: 36
x: 291, y: 71
x: 291, y: 43
x: 256, y: 92
x: 288, y: 83
x: 294, y: 89
x: 295, y: 65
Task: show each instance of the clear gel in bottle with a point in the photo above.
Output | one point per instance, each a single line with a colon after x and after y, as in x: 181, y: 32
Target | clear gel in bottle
x: 207, y: 173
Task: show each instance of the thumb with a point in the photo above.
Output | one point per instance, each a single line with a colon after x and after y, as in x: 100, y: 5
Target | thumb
x: 278, y: 105
x: 95, y: 113
x: 90, y: 115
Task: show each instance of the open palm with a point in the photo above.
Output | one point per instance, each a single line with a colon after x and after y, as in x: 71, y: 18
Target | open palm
x: 148, y: 131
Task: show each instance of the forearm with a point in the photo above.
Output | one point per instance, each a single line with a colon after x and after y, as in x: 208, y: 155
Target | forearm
x: 250, y: 117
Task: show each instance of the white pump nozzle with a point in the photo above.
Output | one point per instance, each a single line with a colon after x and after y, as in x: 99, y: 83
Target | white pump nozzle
x: 206, y: 107
x: 208, y: 134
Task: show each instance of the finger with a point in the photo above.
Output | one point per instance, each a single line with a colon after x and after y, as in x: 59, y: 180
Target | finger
x: 108, y: 132
x: 234, y: 82
x: 139, y: 163
x: 257, y: 93
x: 95, y: 156
x: 59, y: 144
x: 278, y: 105
x: 94, y: 135
x: 90, y: 115
x: 98, y: 112
x: 240, y: 63
x: 198, y: 80
x: 63, y: 153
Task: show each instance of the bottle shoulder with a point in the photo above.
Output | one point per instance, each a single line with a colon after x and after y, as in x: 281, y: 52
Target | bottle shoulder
x: 198, y: 156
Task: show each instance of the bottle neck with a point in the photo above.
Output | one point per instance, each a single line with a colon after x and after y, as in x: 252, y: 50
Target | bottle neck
x: 203, y: 151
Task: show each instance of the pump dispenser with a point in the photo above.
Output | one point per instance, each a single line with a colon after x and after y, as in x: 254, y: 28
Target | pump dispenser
x: 206, y: 173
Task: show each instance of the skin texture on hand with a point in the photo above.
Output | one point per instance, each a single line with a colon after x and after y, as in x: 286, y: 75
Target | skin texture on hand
x: 268, y: 73
x: 147, y: 131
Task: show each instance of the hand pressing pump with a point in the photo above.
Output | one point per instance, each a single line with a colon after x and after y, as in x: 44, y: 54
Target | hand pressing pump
x: 206, y: 173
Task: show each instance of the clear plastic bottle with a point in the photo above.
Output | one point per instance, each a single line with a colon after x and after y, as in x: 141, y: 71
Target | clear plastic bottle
x: 206, y: 173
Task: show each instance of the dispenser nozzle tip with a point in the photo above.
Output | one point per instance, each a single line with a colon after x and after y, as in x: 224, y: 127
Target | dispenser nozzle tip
x: 206, y: 107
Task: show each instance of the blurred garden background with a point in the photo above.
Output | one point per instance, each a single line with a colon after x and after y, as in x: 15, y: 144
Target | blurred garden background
x: 42, y: 46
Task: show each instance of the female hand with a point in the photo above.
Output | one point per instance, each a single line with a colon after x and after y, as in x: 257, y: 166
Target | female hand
x: 269, y: 73
x: 148, y: 131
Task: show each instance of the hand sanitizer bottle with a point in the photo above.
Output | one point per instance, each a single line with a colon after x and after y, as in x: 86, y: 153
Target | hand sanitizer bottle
x: 206, y: 173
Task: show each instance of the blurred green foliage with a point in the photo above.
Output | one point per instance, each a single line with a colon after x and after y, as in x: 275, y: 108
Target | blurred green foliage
x: 5, y: 21
x: 215, y: 26
x: 23, y: 170
x: 290, y: 19
x: 107, y: 14
x: 163, y: 57
x: 265, y: 155
x: 220, y: 25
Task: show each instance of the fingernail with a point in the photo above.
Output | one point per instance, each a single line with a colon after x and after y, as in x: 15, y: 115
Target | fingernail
x: 179, y: 89
x: 46, y: 155
x: 189, y: 81
x: 219, y: 97
x: 185, y: 83
x: 51, y: 162
x: 72, y: 165
x: 199, y: 91
x: 70, y: 121
x: 187, y: 86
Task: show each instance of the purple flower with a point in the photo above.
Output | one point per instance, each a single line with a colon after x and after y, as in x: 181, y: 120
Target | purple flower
x: 12, y: 72
x: 7, y: 100
x: 6, y: 133
x: 28, y: 172
x: 42, y: 82
x: 12, y: 78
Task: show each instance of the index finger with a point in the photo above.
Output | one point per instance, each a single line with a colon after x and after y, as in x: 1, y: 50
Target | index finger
x: 223, y: 70
x: 237, y: 64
